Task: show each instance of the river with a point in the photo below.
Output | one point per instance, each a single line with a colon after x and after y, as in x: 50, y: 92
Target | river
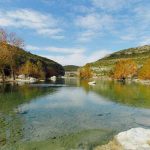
x: 69, y: 114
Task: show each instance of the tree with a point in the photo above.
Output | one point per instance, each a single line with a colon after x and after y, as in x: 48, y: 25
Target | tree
x: 144, y: 72
x: 28, y: 69
x: 15, y: 43
x: 41, y: 72
x: 3, y: 53
x: 125, y: 68
x: 9, y: 43
x: 31, y: 69
x: 86, y: 72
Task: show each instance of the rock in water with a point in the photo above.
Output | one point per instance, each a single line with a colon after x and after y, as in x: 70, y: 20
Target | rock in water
x: 32, y: 80
x: 134, y: 139
x: 53, y: 78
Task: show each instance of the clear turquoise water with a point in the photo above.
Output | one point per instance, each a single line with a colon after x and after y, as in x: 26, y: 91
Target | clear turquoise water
x: 69, y: 114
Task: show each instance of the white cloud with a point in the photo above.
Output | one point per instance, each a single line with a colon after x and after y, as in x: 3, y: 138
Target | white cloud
x: 59, y: 50
x: 90, y: 21
x: 114, y: 5
x: 145, y: 41
x: 43, y: 24
x: 142, y: 14
x: 129, y: 37
x: 86, y: 36
x: 83, y: 9
x: 93, y: 24
x: 70, y: 56
x: 94, y: 21
x: 78, y: 58
x: 109, y: 4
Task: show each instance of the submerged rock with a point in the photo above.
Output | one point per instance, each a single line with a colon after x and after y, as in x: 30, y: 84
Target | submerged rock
x: 133, y: 139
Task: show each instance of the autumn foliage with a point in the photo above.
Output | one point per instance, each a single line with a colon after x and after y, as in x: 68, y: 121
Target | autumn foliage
x: 125, y: 68
x: 86, y: 72
x: 8, y: 48
x: 144, y: 72
x: 15, y: 61
x: 32, y: 69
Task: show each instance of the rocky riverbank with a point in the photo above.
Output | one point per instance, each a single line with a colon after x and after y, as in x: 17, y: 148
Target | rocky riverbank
x: 133, y: 139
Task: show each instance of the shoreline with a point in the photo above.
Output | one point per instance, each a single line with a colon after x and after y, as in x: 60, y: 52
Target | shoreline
x: 143, y: 82
x: 132, y: 139
x: 112, y: 145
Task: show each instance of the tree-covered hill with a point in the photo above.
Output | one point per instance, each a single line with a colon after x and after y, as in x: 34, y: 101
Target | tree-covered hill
x: 139, y: 54
x: 16, y: 61
x: 49, y: 67
x: 71, y: 68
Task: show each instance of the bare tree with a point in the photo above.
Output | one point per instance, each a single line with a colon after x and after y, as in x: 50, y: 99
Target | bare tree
x: 14, y: 43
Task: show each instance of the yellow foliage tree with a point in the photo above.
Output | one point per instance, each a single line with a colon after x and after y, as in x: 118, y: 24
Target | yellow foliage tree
x: 125, y: 68
x: 9, y: 43
x: 31, y: 69
x: 86, y: 72
x: 144, y: 72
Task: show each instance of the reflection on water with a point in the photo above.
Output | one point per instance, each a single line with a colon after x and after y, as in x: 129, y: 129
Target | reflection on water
x: 131, y: 94
x: 69, y: 114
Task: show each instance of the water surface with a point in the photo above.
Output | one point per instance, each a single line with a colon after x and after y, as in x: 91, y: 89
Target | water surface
x: 70, y: 114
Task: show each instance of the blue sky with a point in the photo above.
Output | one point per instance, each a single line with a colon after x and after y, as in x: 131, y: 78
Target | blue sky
x: 77, y: 31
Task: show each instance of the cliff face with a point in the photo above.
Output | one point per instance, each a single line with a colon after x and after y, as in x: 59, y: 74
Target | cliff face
x: 139, y: 54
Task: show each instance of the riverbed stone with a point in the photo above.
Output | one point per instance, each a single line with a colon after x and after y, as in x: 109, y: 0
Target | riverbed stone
x: 133, y: 139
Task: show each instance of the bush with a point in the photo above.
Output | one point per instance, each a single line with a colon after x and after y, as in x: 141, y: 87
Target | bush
x: 125, y: 68
x: 86, y: 72
x: 144, y: 72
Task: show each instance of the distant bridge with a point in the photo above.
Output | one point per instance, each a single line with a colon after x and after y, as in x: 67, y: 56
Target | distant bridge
x: 71, y: 73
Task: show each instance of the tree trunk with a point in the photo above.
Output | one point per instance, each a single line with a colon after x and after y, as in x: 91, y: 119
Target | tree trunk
x: 12, y: 73
x: 3, y: 75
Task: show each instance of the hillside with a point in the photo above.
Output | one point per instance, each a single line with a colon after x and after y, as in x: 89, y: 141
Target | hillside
x: 71, y: 68
x: 139, y: 54
x: 50, y: 67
